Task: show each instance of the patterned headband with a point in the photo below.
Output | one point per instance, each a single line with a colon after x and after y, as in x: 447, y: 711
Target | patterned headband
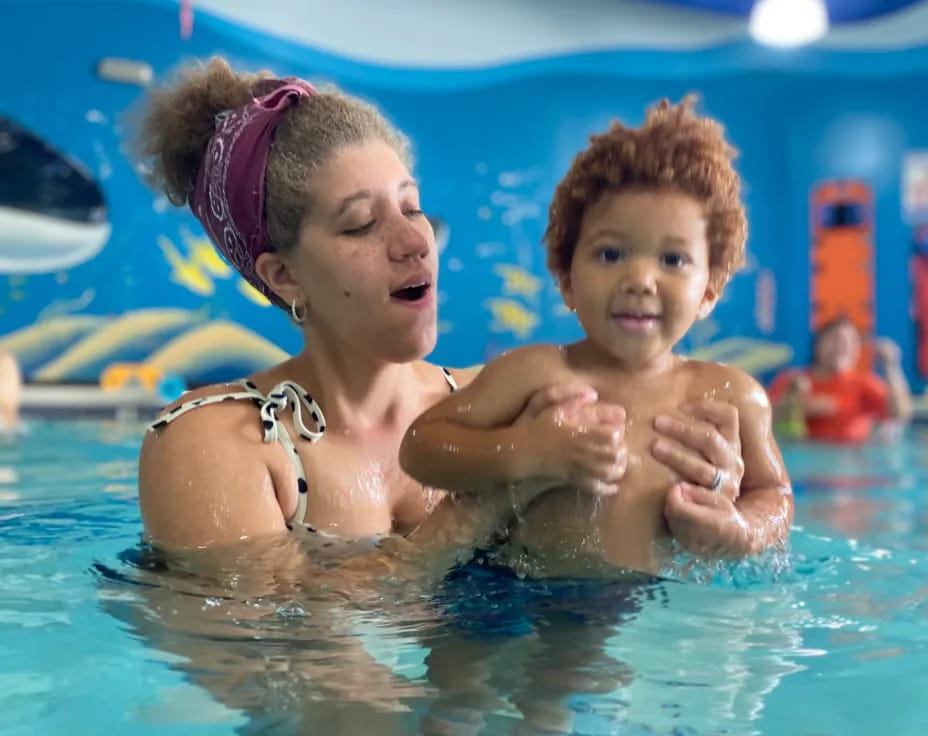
x: 229, y: 195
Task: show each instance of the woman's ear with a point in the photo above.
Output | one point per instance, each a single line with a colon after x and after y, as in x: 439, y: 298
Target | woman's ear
x: 275, y: 272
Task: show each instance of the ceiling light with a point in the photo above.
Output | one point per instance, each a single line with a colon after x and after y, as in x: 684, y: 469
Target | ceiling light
x: 788, y: 22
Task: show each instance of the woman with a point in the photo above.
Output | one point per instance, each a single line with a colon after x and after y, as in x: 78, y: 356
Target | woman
x: 308, y: 194
x: 833, y: 400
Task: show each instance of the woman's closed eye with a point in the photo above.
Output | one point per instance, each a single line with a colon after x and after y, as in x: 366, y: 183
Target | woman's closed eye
x: 360, y: 230
x: 409, y: 212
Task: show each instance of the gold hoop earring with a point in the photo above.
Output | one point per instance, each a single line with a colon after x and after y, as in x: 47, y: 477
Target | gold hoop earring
x: 297, y: 316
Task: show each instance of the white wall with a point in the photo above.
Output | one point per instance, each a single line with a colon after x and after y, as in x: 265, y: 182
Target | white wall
x: 473, y: 33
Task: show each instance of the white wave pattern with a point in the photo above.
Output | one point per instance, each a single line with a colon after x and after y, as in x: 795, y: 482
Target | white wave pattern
x: 479, y: 33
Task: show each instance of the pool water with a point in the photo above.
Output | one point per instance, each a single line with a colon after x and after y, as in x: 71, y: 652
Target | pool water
x: 95, y: 635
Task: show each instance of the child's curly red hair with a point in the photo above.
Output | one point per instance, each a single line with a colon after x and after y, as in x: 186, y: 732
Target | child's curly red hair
x: 674, y: 149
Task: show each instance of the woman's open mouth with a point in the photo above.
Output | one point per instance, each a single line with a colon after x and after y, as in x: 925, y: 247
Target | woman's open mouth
x: 417, y: 293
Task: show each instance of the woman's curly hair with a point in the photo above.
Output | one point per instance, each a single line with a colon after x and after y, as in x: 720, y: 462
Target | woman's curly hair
x: 675, y: 150
x: 177, y: 121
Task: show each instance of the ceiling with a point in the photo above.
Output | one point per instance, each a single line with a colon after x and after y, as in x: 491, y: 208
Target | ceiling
x: 479, y: 33
x: 839, y: 11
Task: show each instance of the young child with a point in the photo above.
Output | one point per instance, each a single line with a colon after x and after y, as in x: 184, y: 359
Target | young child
x: 645, y: 230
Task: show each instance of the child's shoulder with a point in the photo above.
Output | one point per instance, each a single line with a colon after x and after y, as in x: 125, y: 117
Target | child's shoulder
x: 532, y: 363
x: 528, y: 354
x: 725, y: 382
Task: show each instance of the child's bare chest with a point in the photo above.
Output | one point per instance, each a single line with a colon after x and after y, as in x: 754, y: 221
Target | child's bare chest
x: 623, y: 527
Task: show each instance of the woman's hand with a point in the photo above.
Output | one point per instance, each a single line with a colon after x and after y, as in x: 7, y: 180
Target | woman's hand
x: 702, y: 445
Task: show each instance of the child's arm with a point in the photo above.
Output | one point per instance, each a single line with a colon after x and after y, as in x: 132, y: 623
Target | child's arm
x: 470, y: 443
x: 766, y: 500
x: 754, y: 509
x: 787, y: 393
x: 899, y: 399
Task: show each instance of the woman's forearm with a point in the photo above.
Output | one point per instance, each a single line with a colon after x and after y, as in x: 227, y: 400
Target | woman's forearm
x: 449, y: 535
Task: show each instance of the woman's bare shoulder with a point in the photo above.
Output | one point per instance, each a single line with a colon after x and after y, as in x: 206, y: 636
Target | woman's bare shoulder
x: 203, y: 476
x: 200, y: 419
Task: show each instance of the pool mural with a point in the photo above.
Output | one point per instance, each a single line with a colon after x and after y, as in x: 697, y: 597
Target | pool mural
x: 95, y: 270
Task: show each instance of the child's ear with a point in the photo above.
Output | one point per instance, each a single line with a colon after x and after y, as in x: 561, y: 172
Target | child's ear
x: 567, y: 291
x: 709, y: 300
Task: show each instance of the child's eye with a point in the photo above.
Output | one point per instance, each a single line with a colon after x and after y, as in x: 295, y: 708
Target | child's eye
x: 674, y: 260
x: 413, y: 212
x: 609, y: 255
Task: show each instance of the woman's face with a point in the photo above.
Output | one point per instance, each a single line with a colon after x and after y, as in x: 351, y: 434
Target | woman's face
x: 366, y: 261
x: 838, y: 348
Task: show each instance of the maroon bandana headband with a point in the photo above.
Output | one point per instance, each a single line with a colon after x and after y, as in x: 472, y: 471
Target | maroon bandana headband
x: 229, y: 196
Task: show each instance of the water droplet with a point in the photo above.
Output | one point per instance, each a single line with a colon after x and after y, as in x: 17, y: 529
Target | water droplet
x: 291, y: 610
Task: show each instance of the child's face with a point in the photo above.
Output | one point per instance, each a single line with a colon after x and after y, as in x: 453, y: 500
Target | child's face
x: 838, y: 348
x: 640, y: 273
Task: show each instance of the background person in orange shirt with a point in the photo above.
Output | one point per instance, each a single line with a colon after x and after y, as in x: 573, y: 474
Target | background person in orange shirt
x: 833, y: 400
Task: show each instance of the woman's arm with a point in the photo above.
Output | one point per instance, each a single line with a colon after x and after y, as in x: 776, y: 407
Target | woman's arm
x: 206, y: 488
x: 204, y: 480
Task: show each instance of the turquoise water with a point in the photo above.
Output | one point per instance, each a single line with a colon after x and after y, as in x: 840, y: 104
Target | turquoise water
x: 94, y: 636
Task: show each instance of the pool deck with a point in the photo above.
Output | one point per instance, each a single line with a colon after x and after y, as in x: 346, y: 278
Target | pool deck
x: 79, y: 400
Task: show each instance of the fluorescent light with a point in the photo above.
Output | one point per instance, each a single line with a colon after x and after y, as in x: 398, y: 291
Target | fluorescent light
x: 788, y: 22
x: 129, y: 71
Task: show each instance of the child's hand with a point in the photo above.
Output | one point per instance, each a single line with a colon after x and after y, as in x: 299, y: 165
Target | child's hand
x: 706, y: 524
x: 579, y: 441
x: 813, y: 405
x: 583, y: 444
x: 887, y: 352
x: 799, y: 384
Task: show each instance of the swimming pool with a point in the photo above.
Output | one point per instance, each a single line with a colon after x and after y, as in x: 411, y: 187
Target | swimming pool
x: 93, y: 637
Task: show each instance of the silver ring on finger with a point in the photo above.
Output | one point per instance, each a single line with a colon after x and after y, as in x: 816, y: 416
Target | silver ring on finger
x: 716, y: 486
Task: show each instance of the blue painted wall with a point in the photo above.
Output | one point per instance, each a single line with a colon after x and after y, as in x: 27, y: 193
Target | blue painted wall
x: 491, y: 145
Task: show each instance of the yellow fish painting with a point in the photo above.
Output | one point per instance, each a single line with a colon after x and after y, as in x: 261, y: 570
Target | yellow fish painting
x: 252, y: 294
x: 511, y: 316
x: 203, y: 254
x: 517, y: 280
x: 184, y: 270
